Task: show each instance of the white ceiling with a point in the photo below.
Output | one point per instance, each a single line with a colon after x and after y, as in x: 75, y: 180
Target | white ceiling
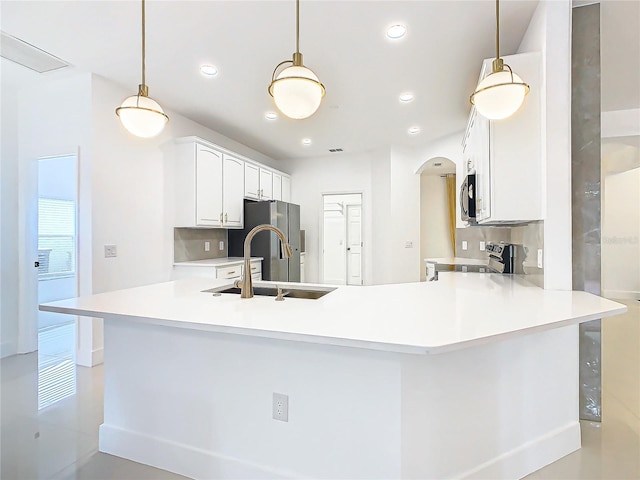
x: 342, y: 41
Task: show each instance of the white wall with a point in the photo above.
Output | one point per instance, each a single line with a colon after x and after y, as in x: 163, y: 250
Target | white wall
x: 122, y: 183
x: 549, y: 32
x: 391, y: 208
x: 54, y: 119
x: 621, y: 235
x: 344, y: 173
x: 435, y: 240
x: 9, y: 222
x: 449, y: 147
x: 405, y: 217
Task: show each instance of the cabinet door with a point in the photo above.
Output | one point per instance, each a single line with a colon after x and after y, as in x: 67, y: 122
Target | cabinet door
x: 266, y: 184
x: 251, y: 180
x: 286, y: 189
x: 208, y: 187
x: 481, y: 157
x: 277, y: 186
x: 232, y: 191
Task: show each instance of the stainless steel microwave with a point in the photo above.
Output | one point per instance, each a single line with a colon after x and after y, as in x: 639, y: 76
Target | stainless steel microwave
x: 468, y: 198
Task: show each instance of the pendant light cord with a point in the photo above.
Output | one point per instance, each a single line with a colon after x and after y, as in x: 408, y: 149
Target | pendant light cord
x: 143, y: 44
x: 297, y: 26
x: 497, y: 29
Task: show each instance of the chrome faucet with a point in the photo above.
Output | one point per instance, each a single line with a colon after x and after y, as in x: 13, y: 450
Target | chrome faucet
x: 246, y: 285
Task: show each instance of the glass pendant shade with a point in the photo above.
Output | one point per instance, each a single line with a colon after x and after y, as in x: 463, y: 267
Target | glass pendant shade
x: 142, y: 116
x: 499, y: 95
x: 297, y: 92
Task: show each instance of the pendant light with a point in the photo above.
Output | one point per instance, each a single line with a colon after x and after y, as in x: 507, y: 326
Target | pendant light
x: 140, y: 114
x: 500, y: 94
x: 296, y: 90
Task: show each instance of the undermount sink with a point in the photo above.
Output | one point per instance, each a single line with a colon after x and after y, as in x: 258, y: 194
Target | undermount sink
x: 272, y: 291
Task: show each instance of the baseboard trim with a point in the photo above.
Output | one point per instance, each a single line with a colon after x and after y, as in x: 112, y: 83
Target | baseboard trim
x: 180, y: 458
x: 531, y: 456
x: 8, y: 349
x: 621, y: 294
x: 90, y: 358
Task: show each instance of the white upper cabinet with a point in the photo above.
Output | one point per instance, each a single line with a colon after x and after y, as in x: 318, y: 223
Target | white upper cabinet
x: 232, y: 191
x: 277, y: 186
x: 506, y: 155
x: 210, y: 184
x: 208, y: 187
x: 286, y: 188
x: 266, y: 184
x: 251, y: 181
x: 197, y: 173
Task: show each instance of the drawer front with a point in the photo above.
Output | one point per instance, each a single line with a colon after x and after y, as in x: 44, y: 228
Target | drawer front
x: 229, y: 272
x: 256, y: 276
x: 256, y: 267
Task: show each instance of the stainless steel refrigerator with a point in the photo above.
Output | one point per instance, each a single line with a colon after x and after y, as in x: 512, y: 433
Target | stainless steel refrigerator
x: 286, y: 217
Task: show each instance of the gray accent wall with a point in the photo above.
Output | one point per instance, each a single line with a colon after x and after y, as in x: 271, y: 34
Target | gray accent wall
x: 189, y: 243
x: 586, y: 194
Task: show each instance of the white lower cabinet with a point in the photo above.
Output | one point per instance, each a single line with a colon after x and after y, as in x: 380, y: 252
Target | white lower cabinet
x: 219, y: 272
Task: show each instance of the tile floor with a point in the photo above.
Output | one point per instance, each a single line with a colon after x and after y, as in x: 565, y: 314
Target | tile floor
x: 53, y: 433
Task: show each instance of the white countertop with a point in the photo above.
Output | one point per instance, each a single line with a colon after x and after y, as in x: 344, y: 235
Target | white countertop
x: 458, y: 311
x: 457, y: 261
x: 216, y: 262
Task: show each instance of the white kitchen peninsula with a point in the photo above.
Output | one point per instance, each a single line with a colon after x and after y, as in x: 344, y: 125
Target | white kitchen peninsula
x: 475, y: 375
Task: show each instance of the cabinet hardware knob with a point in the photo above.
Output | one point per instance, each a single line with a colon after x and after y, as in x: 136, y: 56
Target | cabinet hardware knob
x: 221, y: 218
x: 225, y: 218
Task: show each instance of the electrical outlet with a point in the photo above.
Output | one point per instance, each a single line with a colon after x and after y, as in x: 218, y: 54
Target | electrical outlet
x: 464, y: 268
x: 207, y: 246
x: 280, y: 407
x: 464, y: 244
x: 221, y: 245
x: 482, y: 244
x: 110, y: 251
x: 539, y: 258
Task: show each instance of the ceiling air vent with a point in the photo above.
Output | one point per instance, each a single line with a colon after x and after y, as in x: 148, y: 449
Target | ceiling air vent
x: 334, y: 150
x: 27, y: 55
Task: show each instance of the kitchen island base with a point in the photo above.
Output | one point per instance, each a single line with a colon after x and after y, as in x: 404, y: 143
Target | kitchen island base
x: 199, y: 403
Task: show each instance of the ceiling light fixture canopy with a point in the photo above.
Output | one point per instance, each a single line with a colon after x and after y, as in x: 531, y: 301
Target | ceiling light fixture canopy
x: 140, y: 114
x: 500, y: 94
x: 296, y: 90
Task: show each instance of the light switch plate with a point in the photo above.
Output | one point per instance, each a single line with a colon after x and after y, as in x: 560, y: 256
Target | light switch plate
x: 464, y: 244
x: 207, y: 246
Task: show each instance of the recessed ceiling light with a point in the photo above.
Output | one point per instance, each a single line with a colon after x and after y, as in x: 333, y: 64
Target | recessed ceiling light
x: 414, y: 130
x: 394, y: 32
x: 209, y: 70
x: 406, y: 97
x: 271, y: 115
x: 306, y: 141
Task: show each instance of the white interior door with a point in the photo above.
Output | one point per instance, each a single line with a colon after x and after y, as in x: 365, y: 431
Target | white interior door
x: 354, y: 244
